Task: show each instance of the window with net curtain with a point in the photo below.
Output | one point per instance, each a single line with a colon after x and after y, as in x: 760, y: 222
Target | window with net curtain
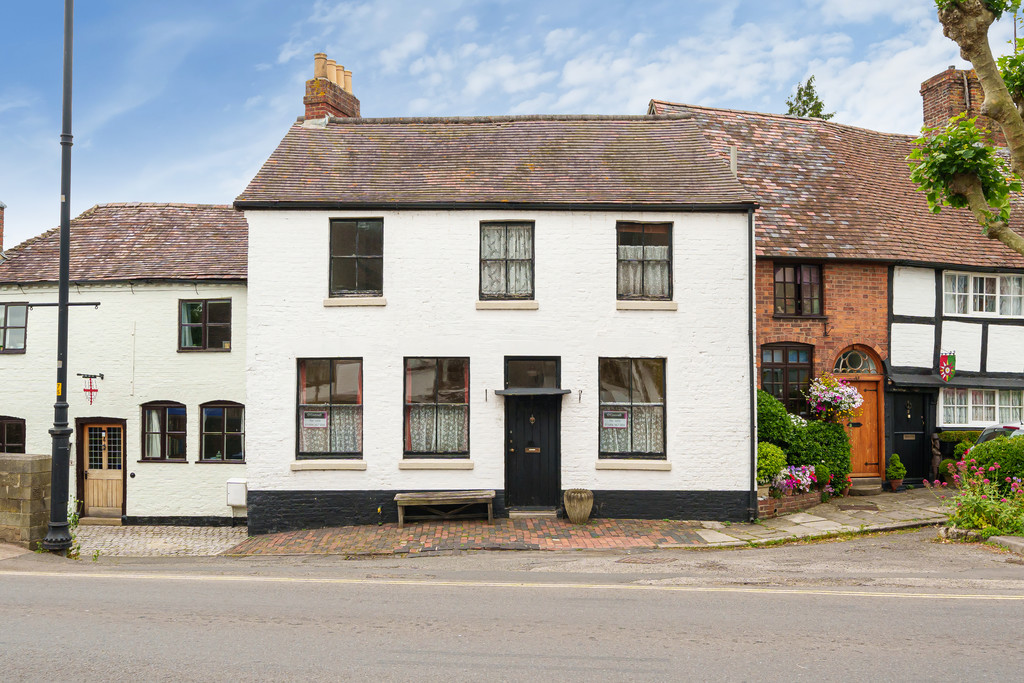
x: 437, y: 407
x: 506, y: 260
x: 644, y: 260
x: 163, y: 431
x: 330, y: 408
x: 632, y: 406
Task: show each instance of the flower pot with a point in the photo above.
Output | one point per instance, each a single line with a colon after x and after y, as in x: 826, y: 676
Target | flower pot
x: 763, y: 490
x: 895, y: 484
x: 578, y: 504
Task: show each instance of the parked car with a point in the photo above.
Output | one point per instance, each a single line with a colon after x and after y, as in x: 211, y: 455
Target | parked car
x: 1009, y: 430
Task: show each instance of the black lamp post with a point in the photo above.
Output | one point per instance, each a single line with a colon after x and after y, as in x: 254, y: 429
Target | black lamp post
x: 58, y: 536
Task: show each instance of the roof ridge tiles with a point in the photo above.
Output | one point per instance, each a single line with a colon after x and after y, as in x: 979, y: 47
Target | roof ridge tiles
x: 400, y: 120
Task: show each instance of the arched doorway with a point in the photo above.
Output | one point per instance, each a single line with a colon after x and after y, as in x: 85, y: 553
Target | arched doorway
x: 860, y: 366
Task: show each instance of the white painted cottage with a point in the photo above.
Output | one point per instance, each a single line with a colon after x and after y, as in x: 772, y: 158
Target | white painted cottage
x: 524, y: 304
x: 156, y: 371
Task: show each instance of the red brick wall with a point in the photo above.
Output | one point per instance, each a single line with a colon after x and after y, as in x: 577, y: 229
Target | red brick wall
x: 771, y: 507
x: 943, y: 97
x: 856, y: 310
x: 323, y: 98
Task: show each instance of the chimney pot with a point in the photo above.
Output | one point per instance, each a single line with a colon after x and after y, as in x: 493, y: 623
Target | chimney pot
x: 348, y: 82
x: 329, y: 92
x: 320, y: 65
x: 332, y: 71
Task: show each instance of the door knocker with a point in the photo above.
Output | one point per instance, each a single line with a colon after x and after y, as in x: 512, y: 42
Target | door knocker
x: 532, y: 419
x: 909, y: 410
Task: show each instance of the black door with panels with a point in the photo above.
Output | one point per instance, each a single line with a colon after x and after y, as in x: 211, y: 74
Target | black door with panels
x: 910, y: 436
x: 533, y: 456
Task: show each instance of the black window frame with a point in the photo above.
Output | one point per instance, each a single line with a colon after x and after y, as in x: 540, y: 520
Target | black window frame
x: 224, y: 433
x: 532, y: 261
x: 3, y: 328
x: 407, y: 404
x: 165, y: 435
x: 803, y: 286
x: 619, y: 225
x: 5, y: 421
x: 204, y: 325
x: 557, y: 360
x: 299, y: 407
x: 332, y: 257
x: 634, y: 455
x: 793, y: 405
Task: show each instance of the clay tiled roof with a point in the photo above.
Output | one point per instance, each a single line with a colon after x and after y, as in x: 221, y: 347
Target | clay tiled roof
x: 828, y: 190
x: 138, y: 242
x: 536, y: 160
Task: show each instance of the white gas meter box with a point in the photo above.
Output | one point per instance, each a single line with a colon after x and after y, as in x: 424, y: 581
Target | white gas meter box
x: 236, y: 493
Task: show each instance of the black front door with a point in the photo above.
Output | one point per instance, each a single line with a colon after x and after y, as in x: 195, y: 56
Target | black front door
x: 532, y: 451
x: 910, y: 435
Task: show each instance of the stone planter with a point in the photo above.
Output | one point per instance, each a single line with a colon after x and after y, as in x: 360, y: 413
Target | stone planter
x: 763, y: 490
x: 578, y: 504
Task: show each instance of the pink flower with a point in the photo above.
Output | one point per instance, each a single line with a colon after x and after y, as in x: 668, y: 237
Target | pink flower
x: 984, y: 497
x: 985, y: 481
x: 991, y: 469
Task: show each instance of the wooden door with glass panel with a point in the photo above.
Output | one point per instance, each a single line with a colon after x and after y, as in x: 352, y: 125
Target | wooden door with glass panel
x: 103, y: 488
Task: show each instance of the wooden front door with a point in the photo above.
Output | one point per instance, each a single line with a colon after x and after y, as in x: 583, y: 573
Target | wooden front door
x: 103, y: 488
x: 532, y: 452
x: 865, y: 447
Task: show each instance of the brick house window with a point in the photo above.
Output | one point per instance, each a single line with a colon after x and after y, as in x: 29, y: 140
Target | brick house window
x: 632, y: 407
x: 204, y: 325
x: 437, y: 407
x: 222, y: 432
x: 12, y: 434
x: 163, y: 431
x: 330, y: 408
x: 798, y: 290
x: 786, y: 374
x: 357, y: 257
x: 644, y: 259
x: 13, y: 326
x: 506, y: 260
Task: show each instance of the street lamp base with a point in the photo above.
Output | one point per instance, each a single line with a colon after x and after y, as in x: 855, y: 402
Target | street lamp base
x: 58, y: 537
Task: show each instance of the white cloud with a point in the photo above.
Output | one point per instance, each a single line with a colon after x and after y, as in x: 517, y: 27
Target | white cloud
x: 467, y: 24
x: 507, y: 75
x: 862, y: 11
x: 395, y: 55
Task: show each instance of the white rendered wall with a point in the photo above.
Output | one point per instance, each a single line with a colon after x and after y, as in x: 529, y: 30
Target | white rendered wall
x: 132, y: 339
x: 431, y: 283
x: 913, y: 291
x: 965, y: 340
x: 911, y: 345
x: 1005, y: 348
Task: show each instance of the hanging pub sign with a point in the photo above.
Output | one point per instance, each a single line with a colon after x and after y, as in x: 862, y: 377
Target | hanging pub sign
x: 947, y: 365
x: 314, y: 419
x: 614, y: 419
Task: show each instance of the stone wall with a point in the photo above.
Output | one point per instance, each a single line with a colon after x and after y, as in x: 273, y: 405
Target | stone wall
x: 24, y: 498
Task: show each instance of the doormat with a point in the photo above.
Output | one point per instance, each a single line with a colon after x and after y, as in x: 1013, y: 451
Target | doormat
x: 858, y: 506
x: 645, y: 560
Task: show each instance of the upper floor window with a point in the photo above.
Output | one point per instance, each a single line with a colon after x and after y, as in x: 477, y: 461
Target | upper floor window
x: 506, y: 260
x: 798, y: 289
x: 222, y: 432
x: 357, y: 257
x: 644, y: 260
x: 981, y: 406
x: 12, y: 434
x: 786, y: 374
x: 994, y: 295
x: 437, y: 406
x: 163, y: 431
x: 13, y: 323
x: 204, y: 325
x: 330, y: 410
x: 632, y: 397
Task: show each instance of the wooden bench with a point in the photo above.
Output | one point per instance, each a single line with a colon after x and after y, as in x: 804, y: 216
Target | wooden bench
x: 429, y: 500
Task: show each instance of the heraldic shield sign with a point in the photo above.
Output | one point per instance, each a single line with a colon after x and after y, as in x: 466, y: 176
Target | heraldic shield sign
x: 947, y: 365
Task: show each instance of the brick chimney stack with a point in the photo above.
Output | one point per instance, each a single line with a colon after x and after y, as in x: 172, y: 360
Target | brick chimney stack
x: 329, y: 92
x: 953, y: 91
x: 2, y: 207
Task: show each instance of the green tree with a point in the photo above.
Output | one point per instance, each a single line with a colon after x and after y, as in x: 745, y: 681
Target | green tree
x: 952, y: 165
x: 807, y: 103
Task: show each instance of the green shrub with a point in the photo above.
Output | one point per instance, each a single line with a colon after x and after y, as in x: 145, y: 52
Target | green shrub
x: 958, y: 436
x: 773, y: 425
x: 958, y: 452
x: 895, y: 470
x: 944, y: 467
x: 770, y: 461
x: 822, y: 473
x: 1009, y: 453
x: 821, y: 443
x: 990, y: 531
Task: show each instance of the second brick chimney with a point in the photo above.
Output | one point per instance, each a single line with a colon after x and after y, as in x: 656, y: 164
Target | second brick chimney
x: 953, y: 91
x: 329, y: 92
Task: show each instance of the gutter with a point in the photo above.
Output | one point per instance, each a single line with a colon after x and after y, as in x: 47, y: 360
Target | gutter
x: 752, y: 340
x: 308, y: 205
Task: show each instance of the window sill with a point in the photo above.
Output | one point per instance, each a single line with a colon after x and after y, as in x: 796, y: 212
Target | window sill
x: 649, y: 465
x: 12, y: 352
x: 220, y: 462
x: 175, y: 460
x: 228, y: 350
x: 355, y: 301
x: 306, y: 465
x: 444, y: 464
x: 790, y: 316
x: 646, y: 306
x: 507, y: 305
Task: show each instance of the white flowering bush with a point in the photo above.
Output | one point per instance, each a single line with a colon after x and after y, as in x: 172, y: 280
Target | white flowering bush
x: 797, y: 421
x: 831, y: 399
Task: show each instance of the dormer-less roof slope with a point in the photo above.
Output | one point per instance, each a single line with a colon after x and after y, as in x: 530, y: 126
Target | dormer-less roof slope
x: 138, y: 241
x: 832, y: 191
x: 540, y: 161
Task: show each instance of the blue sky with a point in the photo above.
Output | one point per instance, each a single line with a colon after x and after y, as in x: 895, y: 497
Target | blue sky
x: 182, y: 101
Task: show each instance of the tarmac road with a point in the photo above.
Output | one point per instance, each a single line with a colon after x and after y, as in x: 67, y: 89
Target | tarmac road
x: 886, y: 607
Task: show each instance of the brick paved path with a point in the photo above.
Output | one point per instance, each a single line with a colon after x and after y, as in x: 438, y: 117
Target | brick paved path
x: 503, y: 534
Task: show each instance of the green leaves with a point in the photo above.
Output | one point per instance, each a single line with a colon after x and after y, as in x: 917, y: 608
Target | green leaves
x: 942, y: 155
x: 1011, y: 67
x: 807, y: 103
